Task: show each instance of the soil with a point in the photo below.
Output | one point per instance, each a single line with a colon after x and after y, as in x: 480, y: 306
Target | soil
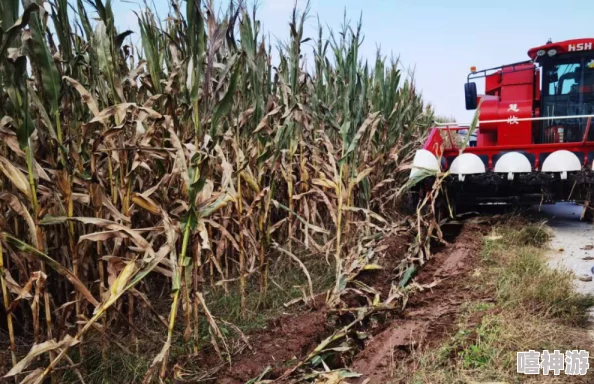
x: 428, y: 317
x: 285, y: 340
x: 393, y: 249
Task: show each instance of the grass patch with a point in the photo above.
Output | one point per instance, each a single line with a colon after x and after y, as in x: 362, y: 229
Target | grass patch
x: 534, y: 307
x: 119, y: 367
x: 287, y: 282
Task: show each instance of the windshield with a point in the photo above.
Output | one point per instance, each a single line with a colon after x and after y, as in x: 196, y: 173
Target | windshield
x: 568, y: 90
x: 571, y: 77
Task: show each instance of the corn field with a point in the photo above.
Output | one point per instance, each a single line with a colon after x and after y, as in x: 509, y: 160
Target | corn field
x: 189, y: 162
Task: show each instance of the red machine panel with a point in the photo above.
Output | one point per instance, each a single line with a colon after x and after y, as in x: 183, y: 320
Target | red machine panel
x: 510, y: 98
x: 514, y: 131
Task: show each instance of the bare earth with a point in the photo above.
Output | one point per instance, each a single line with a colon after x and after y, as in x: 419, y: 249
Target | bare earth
x: 429, y: 315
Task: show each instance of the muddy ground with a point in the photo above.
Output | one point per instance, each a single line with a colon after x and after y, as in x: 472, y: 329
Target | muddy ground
x: 425, y: 322
x: 429, y: 315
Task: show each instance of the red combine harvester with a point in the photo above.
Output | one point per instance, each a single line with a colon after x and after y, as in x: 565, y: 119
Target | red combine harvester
x: 534, y: 141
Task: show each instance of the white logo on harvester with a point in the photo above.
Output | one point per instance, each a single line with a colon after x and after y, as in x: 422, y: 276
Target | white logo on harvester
x: 579, y: 47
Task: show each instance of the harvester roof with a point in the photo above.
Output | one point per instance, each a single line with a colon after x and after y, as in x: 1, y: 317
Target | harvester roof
x: 562, y: 47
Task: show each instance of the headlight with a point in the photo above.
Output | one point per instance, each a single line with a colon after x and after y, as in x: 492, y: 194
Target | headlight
x: 541, y: 52
x: 552, y: 52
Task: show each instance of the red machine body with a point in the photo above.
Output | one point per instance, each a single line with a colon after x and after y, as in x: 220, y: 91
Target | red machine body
x: 533, y: 137
x: 512, y: 101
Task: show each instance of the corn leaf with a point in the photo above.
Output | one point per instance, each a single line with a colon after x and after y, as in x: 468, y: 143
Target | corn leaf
x: 59, y: 268
x: 85, y: 95
x: 18, y: 179
x: 18, y: 206
x: 224, y: 106
x: 42, y: 59
x: 40, y: 349
x: 11, y: 32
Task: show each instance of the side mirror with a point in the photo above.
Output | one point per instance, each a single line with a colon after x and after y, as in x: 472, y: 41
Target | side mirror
x: 470, y: 95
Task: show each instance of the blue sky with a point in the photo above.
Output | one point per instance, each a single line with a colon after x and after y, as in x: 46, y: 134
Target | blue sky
x: 440, y: 40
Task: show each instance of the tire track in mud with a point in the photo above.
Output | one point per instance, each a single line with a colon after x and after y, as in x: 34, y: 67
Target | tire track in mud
x: 429, y: 315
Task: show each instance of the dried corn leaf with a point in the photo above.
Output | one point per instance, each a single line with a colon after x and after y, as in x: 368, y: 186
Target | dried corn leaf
x: 85, y: 95
x: 18, y: 206
x: 146, y: 203
x: 17, y: 178
x: 40, y: 349
x: 24, y: 247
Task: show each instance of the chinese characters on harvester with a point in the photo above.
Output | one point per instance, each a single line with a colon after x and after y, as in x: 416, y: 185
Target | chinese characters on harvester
x: 513, y: 119
x: 571, y: 362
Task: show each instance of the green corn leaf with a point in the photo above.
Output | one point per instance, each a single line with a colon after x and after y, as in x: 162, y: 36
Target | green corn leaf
x: 119, y: 40
x: 224, y: 106
x: 9, y: 10
x: 190, y: 219
x: 101, y: 41
x: 63, y: 30
x: 17, y: 92
x: 408, y: 274
x: 82, y: 13
x: 196, y: 39
x: 355, y: 141
x: 195, y: 187
x: 473, y: 126
x: 152, y: 46
x: 103, y: 51
x: 11, y: 32
x: 219, y: 203
x: 105, y: 13
x: 345, y: 128
x: 42, y: 111
x: 41, y: 58
x: 196, y: 34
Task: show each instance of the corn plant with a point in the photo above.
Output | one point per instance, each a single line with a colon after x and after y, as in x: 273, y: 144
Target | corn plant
x: 191, y: 158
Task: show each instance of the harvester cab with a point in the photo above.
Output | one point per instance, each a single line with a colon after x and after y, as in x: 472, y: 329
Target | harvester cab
x: 534, y: 141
